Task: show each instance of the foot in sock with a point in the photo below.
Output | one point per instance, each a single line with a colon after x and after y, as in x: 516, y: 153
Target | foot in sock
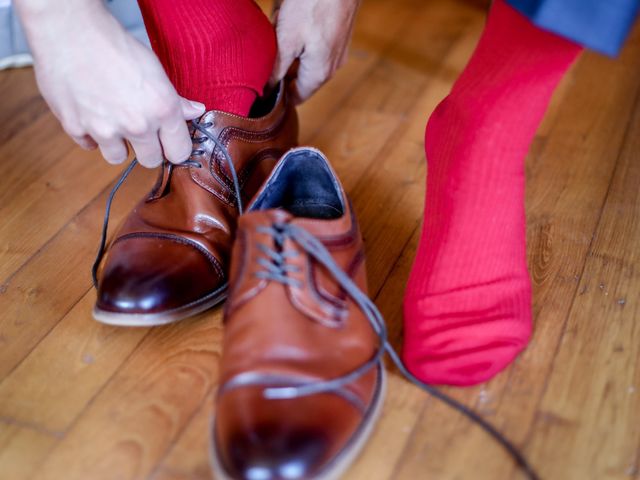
x: 218, y: 52
x: 467, y: 305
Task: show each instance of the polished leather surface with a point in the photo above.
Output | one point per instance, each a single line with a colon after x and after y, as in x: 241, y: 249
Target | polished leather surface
x: 278, y: 334
x: 172, y: 251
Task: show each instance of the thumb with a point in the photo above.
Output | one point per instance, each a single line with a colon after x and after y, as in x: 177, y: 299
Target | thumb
x: 281, y: 67
x: 191, y: 109
x: 288, y: 52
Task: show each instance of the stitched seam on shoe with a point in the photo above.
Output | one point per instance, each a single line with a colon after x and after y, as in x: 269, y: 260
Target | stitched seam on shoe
x: 246, y: 172
x: 236, y: 132
x: 218, y: 291
x: 366, y: 416
x: 181, y: 240
x: 339, y: 300
x: 228, y: 197
x: 338, y: 303
x: 356, y: 261
x: 232, y: 133
x: 344, y: 239
x: 258, y: 158
x: 234, y: 303
x: 285, y: 103
x: 328, y: 310
x: 269, y: 379
x: 211, y: 190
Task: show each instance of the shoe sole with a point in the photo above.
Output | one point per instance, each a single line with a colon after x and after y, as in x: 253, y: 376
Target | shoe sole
x: 161, y: 318
x: 341, y: 463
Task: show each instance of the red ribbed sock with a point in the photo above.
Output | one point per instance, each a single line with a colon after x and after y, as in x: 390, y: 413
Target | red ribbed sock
x: 467, y: 305
x: 218, y: 52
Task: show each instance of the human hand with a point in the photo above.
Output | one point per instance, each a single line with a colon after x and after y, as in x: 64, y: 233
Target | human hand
x: 316, y: 32
x: 104, y: 86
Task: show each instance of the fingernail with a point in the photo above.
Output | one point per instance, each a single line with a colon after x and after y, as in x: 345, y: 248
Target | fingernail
x: 197, y: 105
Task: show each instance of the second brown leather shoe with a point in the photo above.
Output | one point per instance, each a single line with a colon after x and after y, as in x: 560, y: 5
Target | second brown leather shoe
x: 169, y: 259
x: 302, y: 379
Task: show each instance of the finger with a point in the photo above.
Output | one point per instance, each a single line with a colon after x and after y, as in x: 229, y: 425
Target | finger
x: 344, y: 56
x: 313, y: 72
x: 85, y: 142
x: 288, y: 51
x: 78, y: 134
x: 148, y: 150
x: 114, y: 151
x: 175, y: 140
x: 191, y: 109
x: 281, y: 67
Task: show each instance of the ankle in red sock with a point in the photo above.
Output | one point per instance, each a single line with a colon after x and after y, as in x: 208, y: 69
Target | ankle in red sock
x: 218, y: 52
x: 467, y: 305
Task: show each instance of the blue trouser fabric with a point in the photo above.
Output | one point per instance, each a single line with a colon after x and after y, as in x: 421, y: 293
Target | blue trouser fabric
x: 601, y: 25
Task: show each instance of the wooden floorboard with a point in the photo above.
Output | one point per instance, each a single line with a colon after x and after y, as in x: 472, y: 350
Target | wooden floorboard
x: 80, y: 400
x: 591, y: 403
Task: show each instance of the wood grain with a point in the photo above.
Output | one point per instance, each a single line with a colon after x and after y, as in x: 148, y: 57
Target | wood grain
x: 56, y: 277
x: 22, y: 448
x: 596, y: 373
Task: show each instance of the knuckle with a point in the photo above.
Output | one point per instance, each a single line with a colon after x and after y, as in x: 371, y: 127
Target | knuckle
x: 105, y: 132
x: 73, y: 129
x: 149, y: 161
x: 137, y: 126
x: 178, y: 153
x: 287, y: 44
x: 148, y: 155
x: 113, y: 159
x: 142, y: 158
x: 86, y: 143
x: 112, y: 155
x: 165, y: 110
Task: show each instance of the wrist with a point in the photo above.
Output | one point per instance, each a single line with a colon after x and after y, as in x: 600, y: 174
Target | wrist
x: 47, y: 21
x: 55, y: 28
x: 34, y: 11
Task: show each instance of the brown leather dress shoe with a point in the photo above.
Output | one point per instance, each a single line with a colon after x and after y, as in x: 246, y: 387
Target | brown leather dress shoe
x: 302, y: 379
x: 169, y: 259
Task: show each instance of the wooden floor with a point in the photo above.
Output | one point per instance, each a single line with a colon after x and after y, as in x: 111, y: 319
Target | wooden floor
x: 83, y: 401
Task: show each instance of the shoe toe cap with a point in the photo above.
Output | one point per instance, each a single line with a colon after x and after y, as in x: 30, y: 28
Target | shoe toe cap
x: 150, y: 275
x: 296, y: 439
x: 270, y: 454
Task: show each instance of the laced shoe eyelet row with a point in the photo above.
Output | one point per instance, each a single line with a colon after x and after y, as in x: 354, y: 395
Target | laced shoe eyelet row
x: 202, y: 128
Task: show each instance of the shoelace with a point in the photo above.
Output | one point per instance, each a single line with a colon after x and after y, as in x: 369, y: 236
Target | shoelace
x: 200, y: 127
x: 277, y: 269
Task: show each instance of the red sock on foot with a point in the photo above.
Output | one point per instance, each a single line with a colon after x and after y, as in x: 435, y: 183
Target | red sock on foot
x: 467, y: 305
x: 218, y: 52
